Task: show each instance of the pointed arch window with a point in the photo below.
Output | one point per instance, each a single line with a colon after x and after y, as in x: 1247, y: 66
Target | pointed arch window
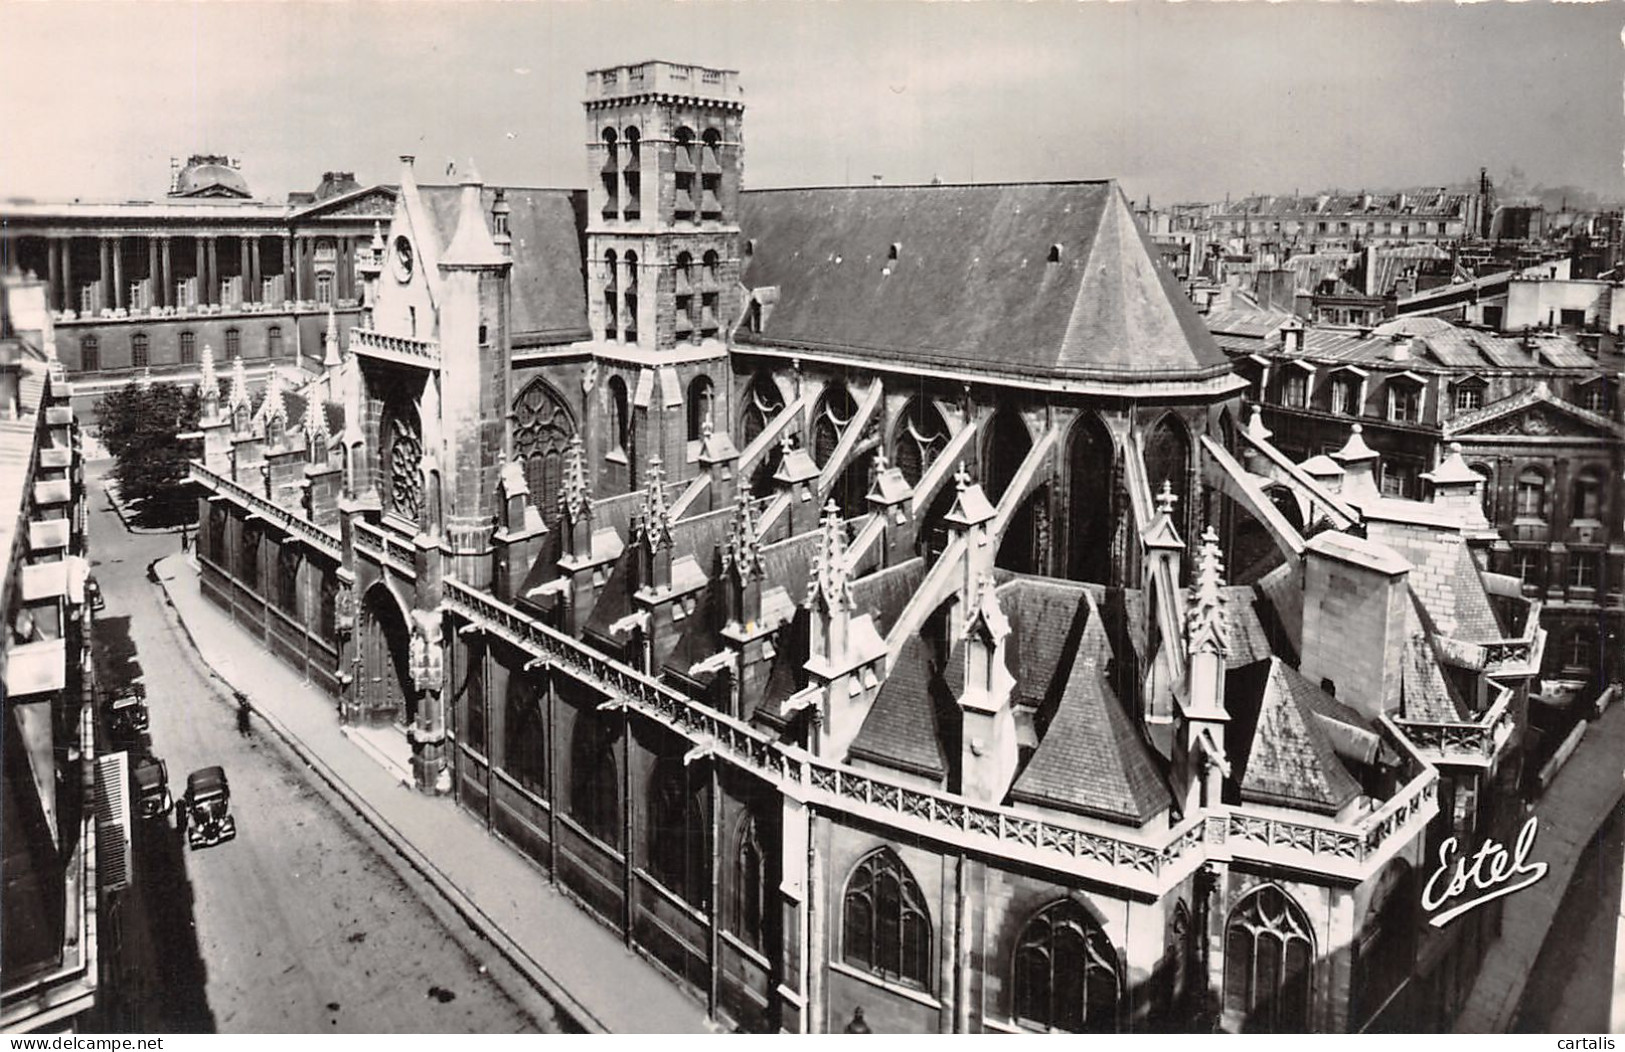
x: 542, y: 430
x: 922, y: 435
x: 595, y: 797
x: 834, y: 415
x: 248, y: 557
x: 472, y: 732
x: 287, y: 578
x: 524, y: 754
x: 750, y: 886
x: 679, y: 830
x: 886, y: 928
x: 1065, y: 972
x: 1268, y: 952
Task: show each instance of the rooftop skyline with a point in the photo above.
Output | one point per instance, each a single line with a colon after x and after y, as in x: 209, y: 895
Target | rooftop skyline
x: 1176, y: 101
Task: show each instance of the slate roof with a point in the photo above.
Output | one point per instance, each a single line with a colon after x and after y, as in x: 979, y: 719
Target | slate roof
x: 902, y: 729
x: 548, y: 228
x: 1092, y: 759
x: 972, y: 285
x: 1475, y: 616
x: 1425, y: 692
x: 1280, y: 753
x: 1047, y: 618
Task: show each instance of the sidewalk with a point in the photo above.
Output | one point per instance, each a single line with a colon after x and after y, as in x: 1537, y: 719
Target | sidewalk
x: 571, y: 958
x: 1584, y: 792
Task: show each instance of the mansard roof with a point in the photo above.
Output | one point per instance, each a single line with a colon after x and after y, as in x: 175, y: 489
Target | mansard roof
x: 1052, y: 279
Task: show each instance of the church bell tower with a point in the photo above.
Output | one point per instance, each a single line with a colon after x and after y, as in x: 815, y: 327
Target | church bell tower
x: 664, y: 158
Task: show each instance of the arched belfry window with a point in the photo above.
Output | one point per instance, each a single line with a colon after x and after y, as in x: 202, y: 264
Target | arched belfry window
x: 622, y: 417
x: 611, y: 173
x: 1065, y: 972
x: 886, y: 928
x: 701, y: 394
x: 612, y: 295
x: 1268, y: 954
x: 632, y: 175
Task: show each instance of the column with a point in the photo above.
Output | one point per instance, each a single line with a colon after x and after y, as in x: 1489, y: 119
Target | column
x: 167, y: 290
x: 346, y: 282
x: 214, y: 270
x: 256, y: 289
x: 307, y: 268
x: 299, y: 287
x: 53, y: 266
x: 201, y: 272
x: 104, y: 245
x: 70, y: 299
x: 243, y: 269
x: 120, y: 293
x: 288, y: 291
x: 154, y: 295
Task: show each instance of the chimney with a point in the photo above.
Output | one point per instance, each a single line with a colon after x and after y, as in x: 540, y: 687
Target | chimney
x: 1353, y: 623
x: 1292, y: 337
x: 1370, y: 284
x: 1399, y: 347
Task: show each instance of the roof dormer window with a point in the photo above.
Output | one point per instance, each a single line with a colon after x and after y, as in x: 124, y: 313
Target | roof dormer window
x: 1055, y: 253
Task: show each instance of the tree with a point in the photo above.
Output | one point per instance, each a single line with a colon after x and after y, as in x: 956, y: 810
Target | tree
x: 140, y: 426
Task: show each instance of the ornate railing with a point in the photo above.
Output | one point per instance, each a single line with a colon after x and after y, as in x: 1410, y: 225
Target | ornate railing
x: 1152, y: 857
x: 294, y: 525
x: 1500, y: 654
x: 621, y: 682
x: 1474, y: 743
x: 1350, y: 848
x: 383, y: 546
x: 407, y: 349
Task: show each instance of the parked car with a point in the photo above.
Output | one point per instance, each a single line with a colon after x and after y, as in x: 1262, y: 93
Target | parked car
x: 93, y: 594
x: 127, y: 714
x: 208, y: 808
x: 152, y: 787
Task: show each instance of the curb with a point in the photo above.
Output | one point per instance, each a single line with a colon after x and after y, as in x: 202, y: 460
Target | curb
x: 109, y: 489
x: 568, y: 1007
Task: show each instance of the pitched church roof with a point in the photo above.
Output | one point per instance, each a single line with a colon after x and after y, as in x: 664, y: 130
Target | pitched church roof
x: 549, y: 291
x: 974, y: 283
x: 1092, y: 759
x: 1280, y: 749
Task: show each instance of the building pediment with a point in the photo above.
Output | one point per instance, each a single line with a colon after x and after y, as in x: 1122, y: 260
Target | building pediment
x: 373, y: 202
x: 1537, y: 417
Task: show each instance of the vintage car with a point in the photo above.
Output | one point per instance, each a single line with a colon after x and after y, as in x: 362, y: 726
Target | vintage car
x: 93, y: 594
x: 208, y: 807
x: 152, y: 787
x: 127, y: 713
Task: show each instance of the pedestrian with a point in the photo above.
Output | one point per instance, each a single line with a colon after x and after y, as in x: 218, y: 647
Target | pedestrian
x: 186, y: 538
x: 245, y: 712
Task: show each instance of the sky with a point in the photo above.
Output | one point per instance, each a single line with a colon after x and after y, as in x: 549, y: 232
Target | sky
x: 1178, y: 101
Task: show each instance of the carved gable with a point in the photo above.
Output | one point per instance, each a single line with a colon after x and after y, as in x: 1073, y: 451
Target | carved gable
x: 373, y: 203
x: 1539, y: 419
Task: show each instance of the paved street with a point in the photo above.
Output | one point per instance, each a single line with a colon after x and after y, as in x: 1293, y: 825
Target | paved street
x: 301, y: 924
